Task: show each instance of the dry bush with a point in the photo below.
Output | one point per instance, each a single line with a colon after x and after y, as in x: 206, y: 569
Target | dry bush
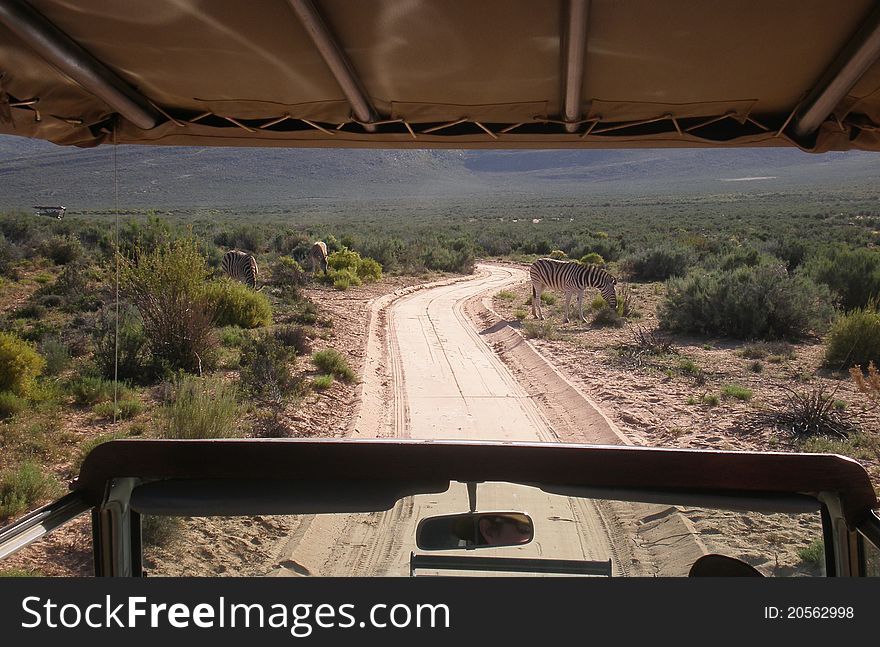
x: 811, y: 413
x: 868, y: 384
x: 168, y: 287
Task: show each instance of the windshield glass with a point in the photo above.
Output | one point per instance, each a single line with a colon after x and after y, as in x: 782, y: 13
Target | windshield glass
x: 593, y: 537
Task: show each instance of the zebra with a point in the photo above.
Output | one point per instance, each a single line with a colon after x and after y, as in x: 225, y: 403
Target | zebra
x: 318, y: 255
x: 241, y: 266
x: 569, y: 277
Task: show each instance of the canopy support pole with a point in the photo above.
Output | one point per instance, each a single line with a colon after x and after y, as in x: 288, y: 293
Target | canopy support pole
x: 337, y: 61
x: 65, y: 54
x: 573, y: 54
x: 851, y: 63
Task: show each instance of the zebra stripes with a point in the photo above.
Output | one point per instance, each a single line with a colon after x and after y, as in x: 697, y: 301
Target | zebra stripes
x: 318, y: 256
x: 569, y: 277
x: 241, y: 266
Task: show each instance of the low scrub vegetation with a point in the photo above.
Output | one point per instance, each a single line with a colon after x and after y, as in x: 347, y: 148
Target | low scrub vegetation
x: 333, y: 362
x: 854, y: 340
x: 167, y: 287
x: 11, y: 404
x: 23, y: 487
x: 266, y: 368
x: 810, y: 413
x: 20, y: 364
x: 234, y: 304
x: 659, y: 263
x: 201, y: 408
x: 761, y: 302
x: 736, y: 392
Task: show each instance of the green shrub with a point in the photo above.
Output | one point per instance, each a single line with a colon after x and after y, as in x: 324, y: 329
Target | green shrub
x: 592, y: 259
x: 20, y: 364
x: 711, y: 400
x: 322, y: 382
x: 854, y: 340
x: 347, y: 268
x: 332, y: 361
x: 61, y: 249
x: 167, y: 285
x: 606, y: 317
x: 11, y: 404
x: 852, y: 274
x: 540, y: 330
x: 72, y: 283
x: 56, y: 355
x: 287, y: 273
x: 689, y: 367
x: 201, y: 408
x: 659, y: 263
x: 506, y: 295
x: 266, y: 368
x: 23, y: 487
x: 92, y: 389
x: 369, y: 270
x: 814, y: 554
x: 30, y: 311
x: 296, y: 337
x: 737, y: 392
x: 51, y: 300
x: 233, y: 337
x: 762, y: 349
x: 548, y: 298
x: 133, y: 346
x: 343, y: 279
x: 124, y: 409
x: 520, y: 314
x: 234, y: 304
x: 739, y: 257
x: 749, y: 302
x: 558, y: 254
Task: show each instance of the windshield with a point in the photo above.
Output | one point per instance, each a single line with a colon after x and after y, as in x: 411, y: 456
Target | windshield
x: 594, y: 537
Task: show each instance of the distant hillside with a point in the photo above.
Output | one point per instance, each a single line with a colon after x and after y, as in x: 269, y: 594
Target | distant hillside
x: 33, y: 172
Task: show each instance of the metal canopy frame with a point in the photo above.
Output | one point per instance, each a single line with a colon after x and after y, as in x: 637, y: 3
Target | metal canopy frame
x: 69, y: 57
x: 862, y: 51
x: 340, y: 65
x: 574, y: 51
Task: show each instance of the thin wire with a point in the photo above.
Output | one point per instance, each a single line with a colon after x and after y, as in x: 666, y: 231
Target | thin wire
x: 116, y: 332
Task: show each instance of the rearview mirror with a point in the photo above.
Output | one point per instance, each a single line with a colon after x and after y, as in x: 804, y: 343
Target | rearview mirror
x: 475, y: 530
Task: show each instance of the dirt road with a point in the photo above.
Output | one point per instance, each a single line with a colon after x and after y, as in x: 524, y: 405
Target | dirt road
x: 430, y: 373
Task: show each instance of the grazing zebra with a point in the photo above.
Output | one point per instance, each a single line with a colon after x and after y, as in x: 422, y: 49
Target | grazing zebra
x: 241, y: 266
x: 569, y: 278
x: 318, y: 254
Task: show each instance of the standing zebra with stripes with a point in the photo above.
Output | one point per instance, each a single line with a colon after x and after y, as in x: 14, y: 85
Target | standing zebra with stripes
x: 241, y: 266
x: 569, y: 277
x: 318, y: 256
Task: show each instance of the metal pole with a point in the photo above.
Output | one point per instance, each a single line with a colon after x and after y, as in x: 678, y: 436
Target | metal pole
x: 337, y: 61
x: 70, y: 58
x: 851, y: 63
x: 573, y: 55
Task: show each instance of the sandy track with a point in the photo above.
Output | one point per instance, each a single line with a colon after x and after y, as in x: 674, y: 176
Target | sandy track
x: 429, y: 373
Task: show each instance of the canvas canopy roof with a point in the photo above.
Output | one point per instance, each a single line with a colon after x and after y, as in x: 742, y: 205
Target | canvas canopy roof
x: 443, y: 73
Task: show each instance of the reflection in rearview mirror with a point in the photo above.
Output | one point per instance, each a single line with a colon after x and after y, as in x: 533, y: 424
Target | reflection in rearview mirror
x: 474, y: 530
